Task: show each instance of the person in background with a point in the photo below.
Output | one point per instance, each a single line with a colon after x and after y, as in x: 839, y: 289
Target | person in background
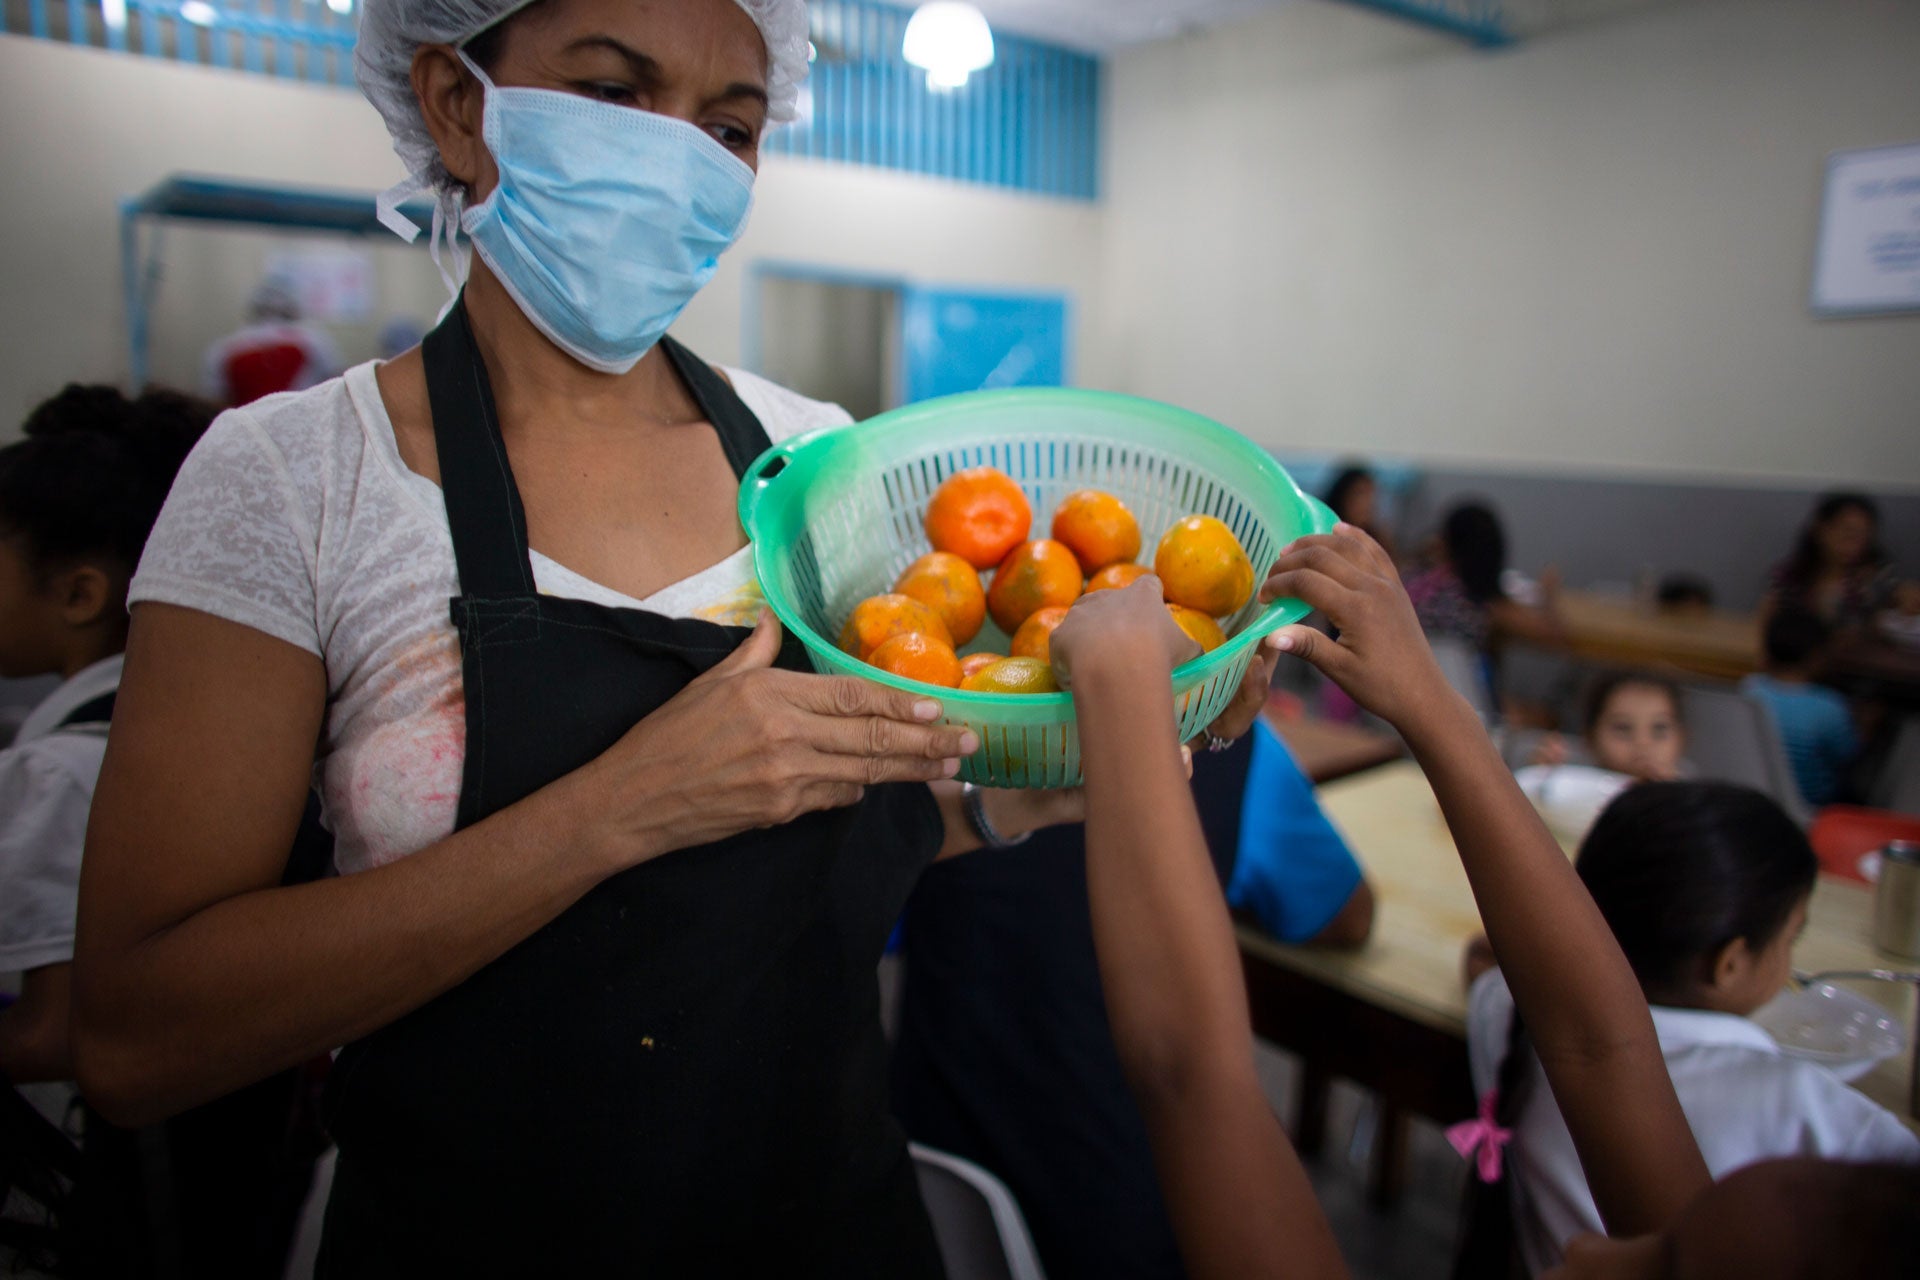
x: 1632, y: 731
x: 1838, y: 571
x: 1683, y: 593
x: 1705, y: 886
x: 78, y: 497
x: 1241, y: 1203
x: 273, y: 352
x: 1003, y: 1054
x: 1459, y: 593
x: 1816, y: 725
x: 1354, y: 496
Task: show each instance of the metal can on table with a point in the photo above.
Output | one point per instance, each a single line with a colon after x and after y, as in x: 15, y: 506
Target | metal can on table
x: 1896, y: 903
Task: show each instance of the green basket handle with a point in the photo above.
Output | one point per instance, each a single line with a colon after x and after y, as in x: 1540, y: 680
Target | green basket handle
x: 764, y: 471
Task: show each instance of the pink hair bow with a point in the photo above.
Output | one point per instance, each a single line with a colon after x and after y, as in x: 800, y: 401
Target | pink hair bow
x: 1483, y: 1136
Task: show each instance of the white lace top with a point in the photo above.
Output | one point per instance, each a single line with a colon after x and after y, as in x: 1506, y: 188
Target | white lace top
x: 296, y: 516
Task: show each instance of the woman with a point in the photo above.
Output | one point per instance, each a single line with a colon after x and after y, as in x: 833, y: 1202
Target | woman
x: 1460, y: 594
x: 1838, y: 571
x: 1354, y: 496
x: 616, y: 873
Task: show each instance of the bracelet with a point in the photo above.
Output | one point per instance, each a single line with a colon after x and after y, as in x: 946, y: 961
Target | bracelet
x: 972, y: 804
x: 1213, y: 741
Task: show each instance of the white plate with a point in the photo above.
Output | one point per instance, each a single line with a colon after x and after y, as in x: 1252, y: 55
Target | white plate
x: 1830, y: 1025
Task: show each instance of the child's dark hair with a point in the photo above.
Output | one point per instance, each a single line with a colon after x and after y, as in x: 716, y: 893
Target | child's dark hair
x: 1804, y: 565
x: 1794, y: 636
x: 1477, y: 549
x: 94, y: 469
x: 1351, y: 476
x: 1605, y: 685
x: 1678, y: 869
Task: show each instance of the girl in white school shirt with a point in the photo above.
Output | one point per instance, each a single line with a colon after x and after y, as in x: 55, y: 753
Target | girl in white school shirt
x: 1705, y: 885
x: 78, y: 497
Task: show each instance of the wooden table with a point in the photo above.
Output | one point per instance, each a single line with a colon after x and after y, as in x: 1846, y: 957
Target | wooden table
x: 1327, y: 751
x: 1620, y: 632
x: 1391, y: 1016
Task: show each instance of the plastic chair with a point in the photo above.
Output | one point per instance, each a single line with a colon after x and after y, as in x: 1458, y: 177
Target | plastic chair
x: 1899, y: 787
x: 1732, y: 738
x: 979, y: 1227
x: 1842, y: 833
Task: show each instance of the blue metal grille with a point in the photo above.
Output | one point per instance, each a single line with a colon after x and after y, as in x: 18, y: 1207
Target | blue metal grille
x: 1030, y: 121
x: 297, y: 39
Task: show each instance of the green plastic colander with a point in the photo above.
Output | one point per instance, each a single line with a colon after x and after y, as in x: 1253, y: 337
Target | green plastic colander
x: 835, y: 516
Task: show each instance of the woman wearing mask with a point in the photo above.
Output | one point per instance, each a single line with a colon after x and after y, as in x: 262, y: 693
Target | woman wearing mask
x: 615, y: 872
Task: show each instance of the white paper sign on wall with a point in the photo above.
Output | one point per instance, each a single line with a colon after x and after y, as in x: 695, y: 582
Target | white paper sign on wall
x: 1868, y: 257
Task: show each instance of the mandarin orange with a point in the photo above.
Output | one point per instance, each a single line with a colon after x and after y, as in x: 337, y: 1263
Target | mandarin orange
x: 1013, y: 675
x: 950, y: 587
x: 921, y: 657
x: 878, y: 619
x: 1034, y: 575
x: 1034, y: 638
x: 1115, y: 576
x: 979, y: 515
x: 1205, y: 631
x: 1098, y: 528
x: 1203, y: 566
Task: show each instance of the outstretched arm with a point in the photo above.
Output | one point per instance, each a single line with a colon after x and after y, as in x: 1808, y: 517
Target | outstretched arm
x: 1240, y: 1201
x: 1587, y: 1015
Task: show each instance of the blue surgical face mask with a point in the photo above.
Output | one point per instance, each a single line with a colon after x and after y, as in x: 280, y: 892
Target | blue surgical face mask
x: 606, y: 219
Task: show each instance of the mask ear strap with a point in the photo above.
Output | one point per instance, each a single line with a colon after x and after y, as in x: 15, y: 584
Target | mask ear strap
x: 451, y: 260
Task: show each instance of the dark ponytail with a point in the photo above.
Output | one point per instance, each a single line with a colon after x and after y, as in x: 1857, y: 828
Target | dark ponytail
x: 1477, y: 549
x: 90, y: 477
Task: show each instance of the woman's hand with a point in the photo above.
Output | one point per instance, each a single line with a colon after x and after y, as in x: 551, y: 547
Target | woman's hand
x: 747, y: 746
x: 1381, y: 659
x: 1129, y: 628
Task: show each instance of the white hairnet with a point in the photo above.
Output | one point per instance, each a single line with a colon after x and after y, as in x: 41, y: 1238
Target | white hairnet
x: 390, y: 31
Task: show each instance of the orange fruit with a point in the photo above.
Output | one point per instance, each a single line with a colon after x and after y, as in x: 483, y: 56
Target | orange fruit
x: 975, y: 662
x: 1013, y: 675
x: 1202, y: 566
x: 951, y: 588
x: 1034, y: 639
x: 878, y: 619
x: 1034, y: 575
x: 1204, y: 630
x: 1097, y: 528
x: 921, y: 657
x: 1115, y: 576
x: 979, y: 515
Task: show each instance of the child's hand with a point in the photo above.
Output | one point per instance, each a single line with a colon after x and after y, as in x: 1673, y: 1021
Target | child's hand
x: 1381, y: 659
x: 1550, y: 750
x: 1130, y: 628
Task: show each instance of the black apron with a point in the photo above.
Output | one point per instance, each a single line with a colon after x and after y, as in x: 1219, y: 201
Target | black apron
x: 684, y: 1073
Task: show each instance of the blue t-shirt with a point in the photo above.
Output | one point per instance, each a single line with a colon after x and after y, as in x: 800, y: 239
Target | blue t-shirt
x: 1816, y: 728
x: 1293, y: 872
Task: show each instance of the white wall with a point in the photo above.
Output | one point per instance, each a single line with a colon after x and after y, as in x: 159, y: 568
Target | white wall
x: 82, y: 129
x: 1588, y: 253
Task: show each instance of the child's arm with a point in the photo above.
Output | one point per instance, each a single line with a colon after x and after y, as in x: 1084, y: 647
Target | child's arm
x: 1586, y: 1013
x: 1240, y: 1202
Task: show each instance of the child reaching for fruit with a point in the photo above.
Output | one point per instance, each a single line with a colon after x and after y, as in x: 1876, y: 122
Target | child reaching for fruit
x: 1240, y: 1203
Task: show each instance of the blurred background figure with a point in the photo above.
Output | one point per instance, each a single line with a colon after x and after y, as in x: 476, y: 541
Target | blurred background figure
x: 1354, y: 496
x: 273, y: 352
x: 1816, y: 724
x: 1838, y: 571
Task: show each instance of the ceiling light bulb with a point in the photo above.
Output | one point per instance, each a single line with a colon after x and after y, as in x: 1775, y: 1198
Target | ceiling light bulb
x: 199, y: 13
x: 951, y: 40
x: 340, y: 6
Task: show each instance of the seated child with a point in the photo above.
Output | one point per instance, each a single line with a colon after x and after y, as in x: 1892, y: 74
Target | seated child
x: 1705, y: 886
x: 1816, y: 726
x: 1632, y: 732
x: 78, y: 497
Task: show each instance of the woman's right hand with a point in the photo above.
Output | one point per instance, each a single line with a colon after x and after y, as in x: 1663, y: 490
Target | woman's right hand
x: 746, y: 745
x: 1381, y: 659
